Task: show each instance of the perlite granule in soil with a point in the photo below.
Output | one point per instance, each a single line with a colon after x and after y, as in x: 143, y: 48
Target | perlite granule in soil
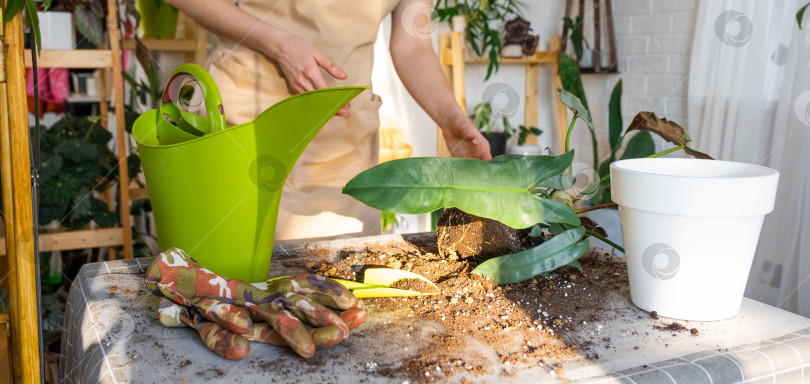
x: 529, y: 324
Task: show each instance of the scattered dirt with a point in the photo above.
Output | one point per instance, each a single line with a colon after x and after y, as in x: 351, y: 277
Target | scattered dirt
x: 672, y: 327
x: 524, y: 323
x: 414, y: 285
x: 654, y: 315
x: 694, y: 332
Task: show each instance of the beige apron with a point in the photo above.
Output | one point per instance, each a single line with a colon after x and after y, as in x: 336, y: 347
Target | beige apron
x: 312, y: 205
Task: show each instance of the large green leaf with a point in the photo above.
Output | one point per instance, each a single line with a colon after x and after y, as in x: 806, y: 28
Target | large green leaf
x: 615, y: 120
x: 562, y: 249
x: 559, y: 182
x: 102, y: 214
x: 498, y: 191
x: 76, y: 150
x: 85, y: 173
x: 571, y: 78
x: 640, y: 145
x: 49, y: 167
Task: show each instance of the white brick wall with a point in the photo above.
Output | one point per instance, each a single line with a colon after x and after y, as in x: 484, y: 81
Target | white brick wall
x: 653, y: 43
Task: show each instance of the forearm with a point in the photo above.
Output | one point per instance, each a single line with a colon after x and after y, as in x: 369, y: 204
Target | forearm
x: 225, y: 19
x: 420, y: 72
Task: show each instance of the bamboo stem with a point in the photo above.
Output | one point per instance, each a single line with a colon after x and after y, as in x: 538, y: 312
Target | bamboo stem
x: 18, y: 208
x: 118, y: 86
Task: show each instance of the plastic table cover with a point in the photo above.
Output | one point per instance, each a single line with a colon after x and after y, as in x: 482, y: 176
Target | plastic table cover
x: 111, y: 336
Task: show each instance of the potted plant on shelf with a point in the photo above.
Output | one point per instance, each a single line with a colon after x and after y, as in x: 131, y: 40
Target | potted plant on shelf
x: 518, y: 41
x: 523, y: 133
x: 482, y: 31
x: 485, y: 122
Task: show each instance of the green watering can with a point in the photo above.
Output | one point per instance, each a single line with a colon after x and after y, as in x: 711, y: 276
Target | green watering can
x: 215, y: 190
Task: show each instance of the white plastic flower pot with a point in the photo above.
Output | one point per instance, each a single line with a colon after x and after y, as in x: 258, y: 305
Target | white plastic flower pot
x: 56, y: 30
x: 690, y: 230
x: 528, y: 149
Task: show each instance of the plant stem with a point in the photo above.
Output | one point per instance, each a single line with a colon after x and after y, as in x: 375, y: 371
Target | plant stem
x: 568, y: 134
x: 568, y: 141
x: 595, y: 207
x: 604, y: 178
x: 662, y: 153
x: 605, y: 239
x: 595, y: 150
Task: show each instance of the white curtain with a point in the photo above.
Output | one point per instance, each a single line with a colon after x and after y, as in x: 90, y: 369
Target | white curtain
x: 749, y: 91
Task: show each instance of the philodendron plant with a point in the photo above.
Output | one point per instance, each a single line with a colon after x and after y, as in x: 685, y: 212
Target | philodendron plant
x: 519, y: 191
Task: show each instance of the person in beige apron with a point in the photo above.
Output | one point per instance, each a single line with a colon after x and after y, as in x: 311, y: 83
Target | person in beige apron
x: 272, y: 49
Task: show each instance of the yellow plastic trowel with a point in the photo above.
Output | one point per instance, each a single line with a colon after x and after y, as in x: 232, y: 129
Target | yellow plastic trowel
x: 377, y: 282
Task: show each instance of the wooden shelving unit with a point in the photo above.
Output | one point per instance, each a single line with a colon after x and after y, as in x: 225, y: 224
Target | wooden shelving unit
x: 17, y: 252
x: 453, y: 60
x: 97, y: 59
x: 193, y: 44
x: 75, y: 58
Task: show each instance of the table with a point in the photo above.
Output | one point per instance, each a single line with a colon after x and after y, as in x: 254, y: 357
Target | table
x: 111, y: 336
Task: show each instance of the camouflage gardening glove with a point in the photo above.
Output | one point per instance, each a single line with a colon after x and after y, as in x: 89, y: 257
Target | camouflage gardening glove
x: 223, y: 310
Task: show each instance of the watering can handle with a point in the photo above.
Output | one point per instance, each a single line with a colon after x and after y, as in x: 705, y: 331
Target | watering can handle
x: 213, y: 101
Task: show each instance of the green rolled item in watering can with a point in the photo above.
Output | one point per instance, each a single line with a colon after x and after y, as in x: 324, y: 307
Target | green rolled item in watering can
x: 215, y: 190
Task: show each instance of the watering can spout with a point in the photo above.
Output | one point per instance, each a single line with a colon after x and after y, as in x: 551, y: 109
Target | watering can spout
x: 293, y: 122
x: 215, y: 190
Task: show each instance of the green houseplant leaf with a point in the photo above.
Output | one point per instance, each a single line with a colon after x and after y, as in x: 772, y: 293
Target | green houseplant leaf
x: 12, y: 7
x: 575, y: 26
x: 640, y: 145
x: 571, y: 78
x: 560, y: 250
x: 576, y: 106
x: 559, y: 182
x: 76, y: 150
x: 800, y: 14
x: 615, y: 120
x: 498, y: 191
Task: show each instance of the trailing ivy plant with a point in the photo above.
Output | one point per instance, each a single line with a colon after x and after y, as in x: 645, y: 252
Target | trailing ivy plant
x: 519, y: 191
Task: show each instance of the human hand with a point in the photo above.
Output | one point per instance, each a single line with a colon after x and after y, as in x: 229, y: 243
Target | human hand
x: 301, y: 63
x: 223, y: 310
x: 464, y: 140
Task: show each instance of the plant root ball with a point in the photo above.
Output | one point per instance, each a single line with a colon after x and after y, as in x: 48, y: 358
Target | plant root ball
x: 462, y: 235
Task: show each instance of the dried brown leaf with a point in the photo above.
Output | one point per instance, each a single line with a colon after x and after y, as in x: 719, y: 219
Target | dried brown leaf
x: 670, y: 131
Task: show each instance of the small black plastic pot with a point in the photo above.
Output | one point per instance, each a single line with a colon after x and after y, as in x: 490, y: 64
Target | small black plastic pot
x: 497, y: 143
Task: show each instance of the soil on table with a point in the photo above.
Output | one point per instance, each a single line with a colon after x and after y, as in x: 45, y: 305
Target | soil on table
x: 462, y: 235
x: 525, y: 323
x: 417, y: 285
